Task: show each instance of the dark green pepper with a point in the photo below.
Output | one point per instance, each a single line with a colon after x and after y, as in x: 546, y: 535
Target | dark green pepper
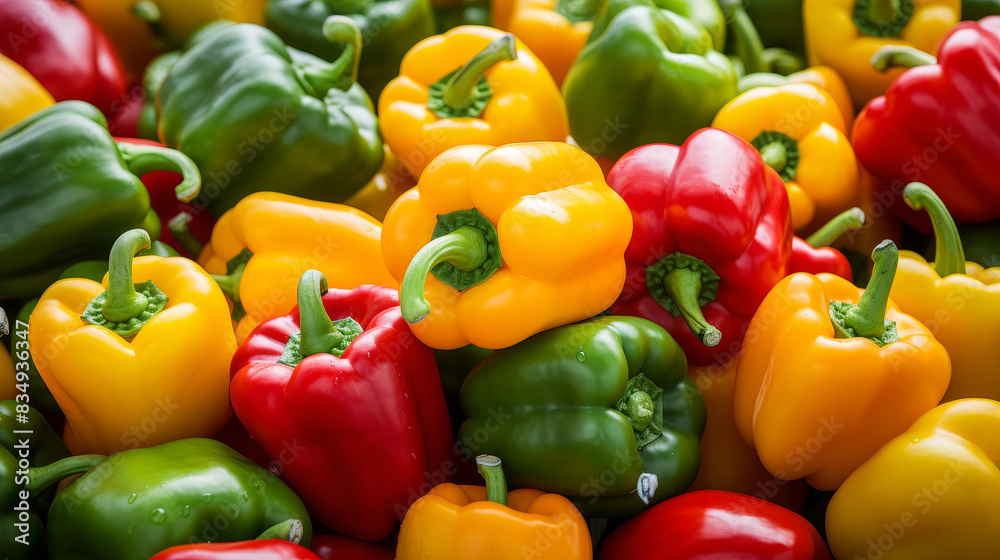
x: 69, y: 191
x: 390, y: 28
x: 602, y: 412
x: 256, y: 115
x: 978, y: 9
x: 464, y: 12
x: 779, y: 23
x: 141, y: 501
x: 636, y: 46
x: 453, y: 367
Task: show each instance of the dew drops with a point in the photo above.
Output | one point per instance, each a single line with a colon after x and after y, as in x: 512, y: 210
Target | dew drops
x: 158, y: 516
x: 236, y: 514
x: 130, y: 527
x: 206, y: 497
x: 186, y: 512
x: 580, y: 356
x: 131, y: 499
x: 414, y: 455
x: 246, y: 496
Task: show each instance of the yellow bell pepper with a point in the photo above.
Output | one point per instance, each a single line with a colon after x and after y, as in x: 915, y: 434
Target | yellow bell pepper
x: 471, y: 85
x: 931, y: 493
x: 829, y: 373
x: 22, y: 94
x: 958, y: 300
x: 391, y: 181
x: 8, y: 375
x: 552, y: 31
x: 824, y: 77
x: 486, y: 523
x: 500, y: 12
x: 260, y: 248
x: 844, y: 34
x: 134, y: 365
x: 517, y: 239
x: 800, y: 132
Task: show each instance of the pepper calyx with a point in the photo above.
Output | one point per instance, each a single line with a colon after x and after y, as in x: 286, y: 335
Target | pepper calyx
x: 642, y: 405
x: 683, y: 284
x: 779, y: 151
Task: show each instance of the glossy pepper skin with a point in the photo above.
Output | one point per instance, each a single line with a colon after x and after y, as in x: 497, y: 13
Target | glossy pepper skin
x: 927, y: 108
x: 260, y: 248
x: 302, y: 125
x: 386, y: 433
x: 517, y: 239
x: 715, y: 524
x: 154, y: 353
x: 83, y: 196
x: 844, y: 34
x: 711, y: 236
x: 453, y: 522
x: 937, y: 485
x: 606, y: 395
x: 192, y: 490
x: 658, y: 52
x: 280, y: 542
x: 470, y: 85
x: 23, y: 95
x: 336, y: 547
x: 554, y: 30
x: 834, y: 373
x: 824, y: 77
x: 391, y: 27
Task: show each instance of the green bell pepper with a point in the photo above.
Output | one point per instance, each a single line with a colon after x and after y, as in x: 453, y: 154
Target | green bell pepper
x: 602, y: 412
x: 453, y: 367
x: 466, y: 12
x: 32, y: 459
x: 978, y: 9
x: 636, y: 46
x: 779, y: 23
x: 70, y: 191
x: 256, y: 116
x: 706, y: 14
x: 390, y: 28
x: 141, y: 501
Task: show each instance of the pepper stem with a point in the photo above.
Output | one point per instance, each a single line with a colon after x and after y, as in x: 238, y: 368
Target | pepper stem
x: 867, y: 318
x: 343, y: 72
x: 145, y: 159
x: 683, y: 285
x: 782, y: 61
x: 41, y: 478
x: 882, y: 18
x: 848, y: 220
x: 749, y: 47
x: 318, y: 332
x: 949, y: 255
x: 123, y: 302
x: 178, y: 226
x: 460, y: 90
x: 898, y: 56
x: 496, y: 485
x: 779, y: 151
x: 640, y: 409
x: 291, y: 531
x: 465, y: 248
x: 149, y: 12
x: 774, y: 155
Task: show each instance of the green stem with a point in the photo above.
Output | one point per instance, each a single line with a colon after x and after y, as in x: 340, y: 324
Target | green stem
x: 149, y: 12
x: 578, y: 10
x: 319, y: 334
x: 782, y: 61
x: 465, y: 248
x: 496, y: 485
x: 780, y: 151
x: 343, y: 72
x: 178, y: 226
x: 749, y: 47
x: 683, y: 285
x: 41, y: 478
x: 775, y: 155
x: 123, y: 302
x: 846, y: 221
x: 949, y: 255
x: 898, y: 56
x: 291, y: 531
x: 882, y: 18
x: 867, y: 318
x: 142, y: 159
x: 640, y: 410
x: 459, y: 91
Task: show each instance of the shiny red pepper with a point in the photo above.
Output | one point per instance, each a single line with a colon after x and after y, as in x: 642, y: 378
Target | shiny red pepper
x: 349, y: 402
x: 715, y: 524
x: 711, y: 236
x: 937, y: 124
x: 268, y: 549
x: 185, y: 226
x: 812, y: 254
x: 335, y: 547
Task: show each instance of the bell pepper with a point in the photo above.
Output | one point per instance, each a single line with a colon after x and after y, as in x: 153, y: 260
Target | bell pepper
x: 390, y: 28
x: 981, y: 243
x: 454, y: 366
x: 386, y: 435
x: 799, y: 131
x: 814, y: 255
x: 260, y: 248
x: 23, y: 95
x: 487, y: 523
x: 84, y: 193
x: 280, y: 542
x: 779, y: 23
x: 302, y: 125
x: 658, y: 52
x: 471, y: 85
x: 715, y: 524
x: 457, y: 14
x: 824, y: 77
x: 336, y: 547
x: 70, y: 56
x: 500, y: 11
x: 138, y: 393
x: 745, y: 48
x: 497, y: 244
x: 554, y: 30
x: 955, y: 298
x: 712, y: 235
x: 975, y: 10
x: 834, y: 373
x: 601, y: 412
x: 936, y: 485
x: 386, y: 186
x: 844, y: 34
x: 140, y: 502
x: 929, y: 122
x: 32, y: 459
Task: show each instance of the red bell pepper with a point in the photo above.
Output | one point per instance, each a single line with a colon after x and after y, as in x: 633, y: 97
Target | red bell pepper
x: 335, y: 547
x: 711, y: 236
x: 70, y: 56
x: 186, y: 227
x: 812, y: 254
x: 715, y: 524
x: 345, y: 380
x: 280, y: 542
x: 937, y: 124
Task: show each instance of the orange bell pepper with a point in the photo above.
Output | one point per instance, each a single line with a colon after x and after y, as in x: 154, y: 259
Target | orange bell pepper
x: 471, y: 85
x: 552, y: 31
x: 22, y: 94
x: 500, y: 11
x: 830, y: 373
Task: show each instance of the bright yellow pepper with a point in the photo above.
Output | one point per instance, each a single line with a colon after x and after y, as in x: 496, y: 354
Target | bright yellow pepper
x: 134, y: 365
x: 517, y: 239
x: 471, y: 85
x: 824, y: 77
x: 958, y: 300
x: 931, y: 493
x: 552, y: 31
x: 829, y: 373
x: 391, y: 181
x: 800, y: 131
x: 844, y: 34
x: 22, y: 94
x: 260, y: 248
